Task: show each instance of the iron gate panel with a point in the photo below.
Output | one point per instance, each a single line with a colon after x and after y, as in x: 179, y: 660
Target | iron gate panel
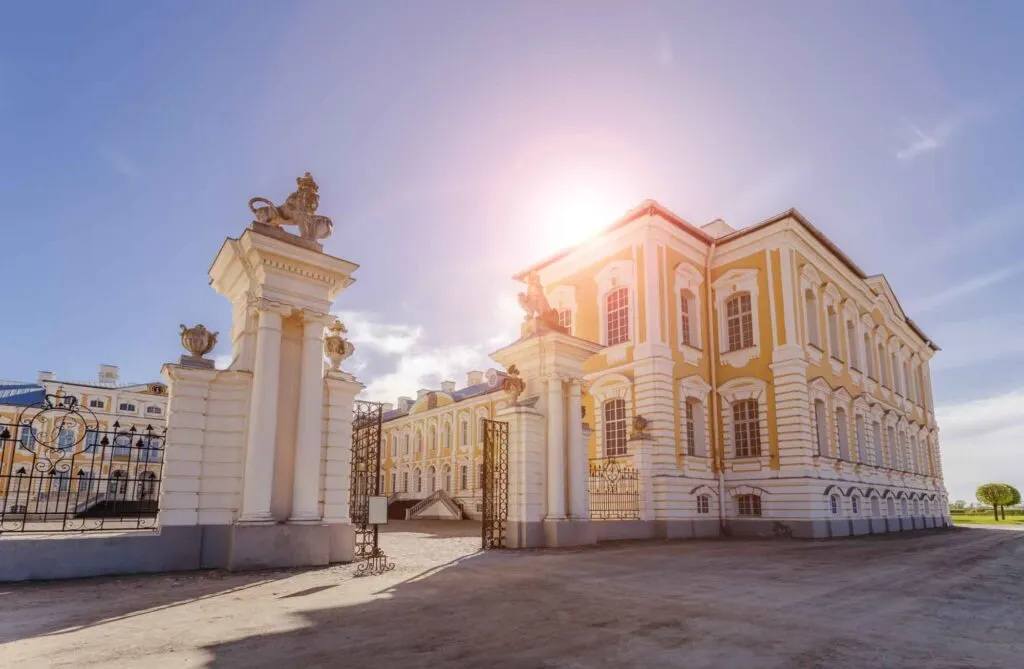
x: 495, y: 489
x: 364, y: 484
x: 614, y: 490
x: 60, y: 472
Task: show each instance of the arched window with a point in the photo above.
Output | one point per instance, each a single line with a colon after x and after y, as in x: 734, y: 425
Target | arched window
x: 876, y: 434
x: 890, y: 505
x: 418, y: 475
x: 859, y: 427
x: 688, y: 316
x: 739, y: 322
x: 431, y: 479
x: 614, y: 428
x: 905, y: 507
x: 565, y: 318
x: 703, y: 504
x: 851, y: 345
x: 749, y: 505
x: 855, y: 505
x: 464, y: 477
x: 869, y: 359
x: 746, y: 427
x: 876, y: 508
x: 842, y: 429
x: 811, y: 311
x: 833, y: 502
x: 617, y: 304
x: 821, y: 427
x: 833, y: 333
x: 927, y: 507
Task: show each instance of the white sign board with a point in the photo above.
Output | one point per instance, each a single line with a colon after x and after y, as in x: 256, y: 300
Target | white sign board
x: 378, y: 510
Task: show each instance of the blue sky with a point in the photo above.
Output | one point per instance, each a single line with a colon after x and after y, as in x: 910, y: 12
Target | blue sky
x: 445, y: 135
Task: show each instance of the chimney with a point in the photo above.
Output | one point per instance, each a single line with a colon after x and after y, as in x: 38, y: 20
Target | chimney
x: 404, y: 403
x: 421, y: 393
x: 387, y: 406
x: 45, y: 376
x: 109, y: 374
x: 474, y: 378
x: 448, y: 386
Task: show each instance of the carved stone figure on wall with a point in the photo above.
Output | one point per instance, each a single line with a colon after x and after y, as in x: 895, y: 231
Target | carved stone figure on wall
x: 536, y: 304
x: 299, y: 209
x: 337, y: 348
x: 513, y: 385
x: 640, y: 427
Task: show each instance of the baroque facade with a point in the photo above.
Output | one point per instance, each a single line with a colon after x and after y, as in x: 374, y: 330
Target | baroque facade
x: 780, y: 381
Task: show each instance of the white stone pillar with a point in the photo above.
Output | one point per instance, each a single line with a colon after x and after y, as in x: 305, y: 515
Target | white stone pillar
x: 309, y: 435
x: 579, y: 500
x: 260, y: 442
x: 556, y: 451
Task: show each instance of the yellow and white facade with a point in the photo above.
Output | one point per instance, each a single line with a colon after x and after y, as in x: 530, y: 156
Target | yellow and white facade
x: 785, y: 389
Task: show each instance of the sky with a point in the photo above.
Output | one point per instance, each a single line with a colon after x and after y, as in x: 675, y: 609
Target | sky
x: 456, y: 143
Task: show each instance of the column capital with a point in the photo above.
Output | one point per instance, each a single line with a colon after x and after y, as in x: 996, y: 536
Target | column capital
x: 266, y: 305
x: 320, y: 319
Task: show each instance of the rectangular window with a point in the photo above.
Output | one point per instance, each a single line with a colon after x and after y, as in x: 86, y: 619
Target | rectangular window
x: 617, y: 304
x: 821, y: 428
x: 565, y: 319
x: 851, y: 345
x: 126, y: 406
x: 876, y: 433
x: 463, y: 477
x: 96, y: 404
x: 746, y: 428
x: 684, y: 311
x: 739, y: 322
x: 614, y: 428
x: 833, y: 334
x: 860, y: 438
x: 749, y: 505
x: 842, y: 430
x: 154, y: 410
x: 703, y: 504
x: 92, y: 440
x: 855, y: 505
x: 691, y: 437
x: 869, y: 360
x: 28, y: 437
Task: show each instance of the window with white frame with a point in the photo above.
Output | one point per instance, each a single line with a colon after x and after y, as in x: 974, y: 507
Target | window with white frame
x: 617, y: 315
x: 464, y: 477
x: 154, y: 410
x: 895, y: 367
x: 749, y: 505
x: 703, y: 504
x: 913, y: 455
x: 614, y: 428
x: 908, y: 385
x: 842, y: 430
x: 859, y: 428
x: 418, y: 475
x: 883, y: 366
x: 394, y: 482
x: 746, y: 427
x: 447, y: 478
x: 739, y: 322
x: 876, y: 433
x: 851, y: 345
x: 464, y: 432
x: 833, y: 333
x: 811, y: 313
x: 405, y: 481
x: 927, y: 507
x: 855, y: 505
x: 419, y: 442
x: 405, y: 449
x: 821, y: 427
x: 869, y: 359
x: 692, y: 410
x: 126, y: 406
x: 687, y: 315
x: 431, y: 479
x: 394, y: 446
x: 66, y: 439
x: 565, y: 318
x: 833, y: 502
x: 905, y: 508
x: 432, y: 439
x: 894, y: 453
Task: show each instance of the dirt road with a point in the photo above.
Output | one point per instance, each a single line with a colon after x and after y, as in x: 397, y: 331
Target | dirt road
x: 941, y: 600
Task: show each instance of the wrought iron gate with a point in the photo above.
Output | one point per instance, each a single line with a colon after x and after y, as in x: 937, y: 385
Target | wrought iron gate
x: 365, y: 483
x: 614, y: 490
x: 62, y: 471
x: 495, y: 484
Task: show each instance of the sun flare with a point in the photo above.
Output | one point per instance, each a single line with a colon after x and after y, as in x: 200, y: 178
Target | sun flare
x: 573, y: 214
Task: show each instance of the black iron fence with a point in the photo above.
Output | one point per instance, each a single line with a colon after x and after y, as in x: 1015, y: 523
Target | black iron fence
x: 614, y: 489
x: 60, y: 471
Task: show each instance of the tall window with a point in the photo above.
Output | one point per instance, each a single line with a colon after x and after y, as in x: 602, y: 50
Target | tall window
x: 739, y: 322
x: 913, y: 455
x: 894, y: 453
x: 876, y: 507
x: 821, y: 427
x: 833, y: 502
x: 394, y: 483
x: 463, y: 432
x: 405, y: 481
x: 617, y: 303
x: 447, y: 478
x: 883, y: 366
x: 432, y: 438
x: 614, y: 428
x: 908, y: 386
x: 703, y: 504
x: 842, y: 428
x: 419, y: 480
x: 855, y: 505
x: 851, y: 345
x: 92, y: 440
x: 746, y: 428
x: 833, y: 334
x: 869, y: 359
x: 28, y: 437
x: 895, y: 367
x: 394, y: 448
x: 463, y: 477
x: 749, y: 505
x: 405, y: 450
x: 686, y: 315
x: 565, y: 318
x: 876, y: 433
x: 447, y: 435
x: 859, y: 427
x: 691, y: 429
x: 811, y: 311
x: 431, y: 479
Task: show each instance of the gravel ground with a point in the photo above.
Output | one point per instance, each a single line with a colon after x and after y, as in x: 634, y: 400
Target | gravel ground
x: 948, y: 599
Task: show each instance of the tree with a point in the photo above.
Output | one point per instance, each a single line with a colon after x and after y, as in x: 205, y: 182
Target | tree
x: 1014, y: 499
x: 960, y: 504
x: 994, y: 494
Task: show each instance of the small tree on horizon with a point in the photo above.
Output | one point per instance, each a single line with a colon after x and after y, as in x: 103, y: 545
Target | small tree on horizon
x: 1014, y: 499
x: 994, y: 494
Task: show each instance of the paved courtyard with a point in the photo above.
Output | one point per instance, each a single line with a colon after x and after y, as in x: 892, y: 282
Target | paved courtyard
x: 941, y: 600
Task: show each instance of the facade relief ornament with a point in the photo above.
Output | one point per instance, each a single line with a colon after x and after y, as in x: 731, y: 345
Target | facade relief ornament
x: 539, y: 314
x: 513, y: 385
x: 337, y: 348
x: 640, y: 428
x: 299, y: 209
x: 198, y: 341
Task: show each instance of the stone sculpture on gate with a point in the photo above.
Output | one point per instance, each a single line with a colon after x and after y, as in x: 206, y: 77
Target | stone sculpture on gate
x: 299, y: 209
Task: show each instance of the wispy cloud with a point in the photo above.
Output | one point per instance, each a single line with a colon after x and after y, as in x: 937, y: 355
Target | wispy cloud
x: 977, y: 341
x: 981, y: 441
x: 967, y: 287
x: 973, y: 233
x: 118, y: 161
x: 364, y: 330
x: 938, y: 136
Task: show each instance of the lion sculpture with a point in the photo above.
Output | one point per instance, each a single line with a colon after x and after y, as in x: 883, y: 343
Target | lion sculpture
x: 299, y: 209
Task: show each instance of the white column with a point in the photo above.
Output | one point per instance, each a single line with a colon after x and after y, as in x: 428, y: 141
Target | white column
x: 309, y: 435
x: 260, y: 442
x: 579, y: 507
x: 652, y: 285
x: 556, y: 450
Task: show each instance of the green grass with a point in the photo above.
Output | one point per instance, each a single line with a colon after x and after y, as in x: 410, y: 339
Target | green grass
x: 978, y: 519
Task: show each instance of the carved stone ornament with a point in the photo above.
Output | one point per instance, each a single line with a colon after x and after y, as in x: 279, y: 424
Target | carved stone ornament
x: 299, y: 209
x: 536, y: 304
x: 513, y: 385
x: 198, y: 341
x: 640, y: 427
x: 337, y: 348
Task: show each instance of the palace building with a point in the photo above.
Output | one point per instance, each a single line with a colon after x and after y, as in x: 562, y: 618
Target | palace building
x: 68, y: 447
x: 782, y: 388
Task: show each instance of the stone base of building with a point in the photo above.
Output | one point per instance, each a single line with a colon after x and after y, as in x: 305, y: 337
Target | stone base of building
x: 829, y: 528
x: 277, y: 545
x: 566, y: 533
x: 520, y: 534
x: 342, y: 538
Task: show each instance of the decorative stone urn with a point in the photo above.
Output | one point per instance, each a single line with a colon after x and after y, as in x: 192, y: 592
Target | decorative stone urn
x: 513, y: 385
x: 337, y: 348
x: 198, y: 341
